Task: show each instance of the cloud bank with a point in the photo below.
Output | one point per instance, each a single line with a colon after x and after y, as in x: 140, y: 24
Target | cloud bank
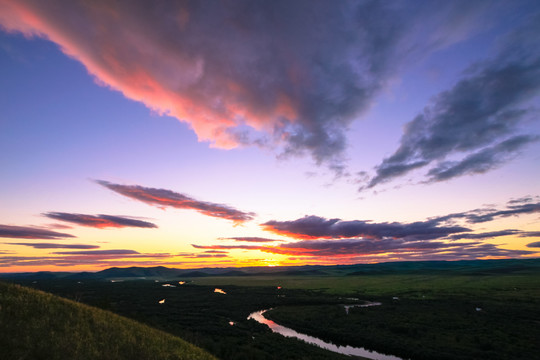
x: 315, y: 227
x: 291, y: 74
x: 167, y: 198
x: 100, y: 221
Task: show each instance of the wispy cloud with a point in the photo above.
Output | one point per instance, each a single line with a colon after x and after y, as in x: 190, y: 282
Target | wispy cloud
x: 227, y: 247
x: 100, y: 221
x: 206, y: 256
x: 56, y: 246
x: 363, y: 250
x: 476, y: 118
x: 535, y: 244
x: 97, y: 258
x: 524, y: 207
x: 243, y: 72
x: 249, y: 239
x: 530, y: 234
x: 27, y: 232
x: 167, y: 198
x: 114, y: 252
x: 480, y: 162
x: 487, y: 235
x: 315, y: 227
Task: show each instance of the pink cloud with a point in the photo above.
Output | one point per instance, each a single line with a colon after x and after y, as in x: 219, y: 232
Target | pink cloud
x: 167, y: 198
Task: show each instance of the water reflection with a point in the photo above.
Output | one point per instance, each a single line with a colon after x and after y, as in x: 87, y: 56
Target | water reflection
x: 347, y: 307
x: 347, y: 350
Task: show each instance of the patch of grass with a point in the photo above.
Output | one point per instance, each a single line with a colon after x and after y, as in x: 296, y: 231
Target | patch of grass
x: 38, y: 325
x: 410, y: 285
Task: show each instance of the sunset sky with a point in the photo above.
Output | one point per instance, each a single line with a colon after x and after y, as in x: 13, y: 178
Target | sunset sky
x: 260, y: 133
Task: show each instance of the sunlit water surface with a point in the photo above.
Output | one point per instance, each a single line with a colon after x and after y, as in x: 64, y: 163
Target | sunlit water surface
x: 347, y: 350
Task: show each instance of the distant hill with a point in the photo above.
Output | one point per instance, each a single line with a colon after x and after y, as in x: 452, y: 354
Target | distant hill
x: 150, y: 272
x: 38, y: 325
x: 465, y: 267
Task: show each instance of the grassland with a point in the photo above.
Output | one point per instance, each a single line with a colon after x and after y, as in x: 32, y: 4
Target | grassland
x: 409, y: 285
x: 38, y: 325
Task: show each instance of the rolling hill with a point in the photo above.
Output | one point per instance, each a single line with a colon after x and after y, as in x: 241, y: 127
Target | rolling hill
x: 39, y: 325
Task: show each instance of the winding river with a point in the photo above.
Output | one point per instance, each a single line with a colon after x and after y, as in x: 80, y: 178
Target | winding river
x: 347, y: 350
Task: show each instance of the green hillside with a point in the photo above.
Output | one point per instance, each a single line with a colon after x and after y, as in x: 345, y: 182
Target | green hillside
x: 38, y: 325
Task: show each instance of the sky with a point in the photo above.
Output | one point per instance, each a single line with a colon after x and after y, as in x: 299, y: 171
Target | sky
x: 237, y: 133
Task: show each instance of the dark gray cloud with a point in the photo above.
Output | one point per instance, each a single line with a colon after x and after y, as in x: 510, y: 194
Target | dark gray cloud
x: 313, y: 227
x: 530, y: 234
x: 480, y: 162
x: 476, y: 118
x: 521, y: 200
x: 27, y: 232
x: 535, y: 244
x: 487, y: 235
x: 56, y: 246
x: 286, y: 74
x: 167, y: 198
x: 99, y: 221
x: 249, y: 239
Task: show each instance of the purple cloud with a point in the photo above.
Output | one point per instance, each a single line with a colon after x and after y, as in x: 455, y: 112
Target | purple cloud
x: 485, y: 215
x: 249, y: 239
x: 56, y: 246
x: 167, y: 198
x: 26, y: 232
x: 99, y: 221
x: 314, y: 227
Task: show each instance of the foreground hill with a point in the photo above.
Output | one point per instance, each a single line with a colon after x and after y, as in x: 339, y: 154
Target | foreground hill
x: 38, y: 325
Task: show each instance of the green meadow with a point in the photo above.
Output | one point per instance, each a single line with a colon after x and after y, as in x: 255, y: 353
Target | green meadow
x: 409, y: 285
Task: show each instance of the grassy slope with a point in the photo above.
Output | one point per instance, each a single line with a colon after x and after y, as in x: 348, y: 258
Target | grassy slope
x: 38, y: 325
